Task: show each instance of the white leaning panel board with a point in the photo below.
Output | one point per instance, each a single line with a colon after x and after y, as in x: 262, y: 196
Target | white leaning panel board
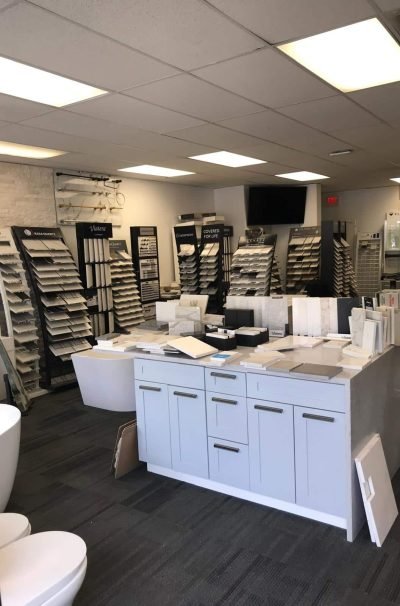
x: 376, y: 489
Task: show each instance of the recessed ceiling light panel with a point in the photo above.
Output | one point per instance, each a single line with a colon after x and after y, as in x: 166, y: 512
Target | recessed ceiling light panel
x: 341, y: 152
x: 28, y: 151
x: 350, y: 58
x: 302, y: 175
x: 157, y: 171
x: 225, y: 158
x: 396, y: 179
x: 37, y: 85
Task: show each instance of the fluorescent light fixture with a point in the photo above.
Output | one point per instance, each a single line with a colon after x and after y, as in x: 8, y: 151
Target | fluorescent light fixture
x: 158, y: 171
x: 228, y: 159
x: 27, y: 151
x: 396, y: 179
x: 350, y: 58
x: 341, y: 152
x: 302, y: 175
x: 37, y: 85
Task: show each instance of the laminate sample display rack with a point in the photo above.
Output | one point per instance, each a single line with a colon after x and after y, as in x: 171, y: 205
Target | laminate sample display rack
x: 303, y: 260
x: 211, y: 266
x: 127, y: 307
x: 144, y: 246
x: 19, y: 315
x: 188, y: 258
x: 94, y: 268
x: 337, y: 272
x: 368, y: 263
x: 61, y: 306
x: 252, y: 266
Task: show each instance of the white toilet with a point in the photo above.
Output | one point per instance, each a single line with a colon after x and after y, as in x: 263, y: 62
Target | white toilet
x: 44, y: 569
x: 13, y: 526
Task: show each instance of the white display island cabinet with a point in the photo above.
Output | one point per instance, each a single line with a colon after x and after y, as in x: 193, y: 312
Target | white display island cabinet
x: 283, y: 442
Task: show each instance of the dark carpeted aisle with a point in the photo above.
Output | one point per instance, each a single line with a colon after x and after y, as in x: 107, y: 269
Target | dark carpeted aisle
x: 154, y: 541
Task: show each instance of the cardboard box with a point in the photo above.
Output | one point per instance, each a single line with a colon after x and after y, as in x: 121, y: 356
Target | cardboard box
x: 125, y: 456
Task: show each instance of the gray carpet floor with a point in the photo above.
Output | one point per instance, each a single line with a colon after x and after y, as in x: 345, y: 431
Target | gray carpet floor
x: 155, y: 541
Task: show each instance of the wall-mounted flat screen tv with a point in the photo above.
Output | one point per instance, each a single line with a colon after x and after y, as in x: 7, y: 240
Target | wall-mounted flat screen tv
x: 276, y: 205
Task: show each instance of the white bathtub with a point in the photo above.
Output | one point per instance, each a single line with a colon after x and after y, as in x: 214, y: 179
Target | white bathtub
x: 10, y: 430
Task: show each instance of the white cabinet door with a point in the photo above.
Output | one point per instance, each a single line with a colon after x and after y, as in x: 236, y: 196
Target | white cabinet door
x: 320, y: 460
x: 271, y: 449
x: 152, y: 413
x: 227, y: 417
x: 229, y: 462
x: 188, y: 431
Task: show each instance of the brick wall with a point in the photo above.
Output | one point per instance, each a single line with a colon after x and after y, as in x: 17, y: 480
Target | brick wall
x: 26, y: 195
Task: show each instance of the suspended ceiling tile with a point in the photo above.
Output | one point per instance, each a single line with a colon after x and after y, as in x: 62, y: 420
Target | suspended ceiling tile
x: 280, y: 20
x: 169, y: 145
x: 121, y: 109
x: 282, y: 130
x: 383, y: 101
x: 268, y: 77
x: 185, y: 34
x: 369, y: 137
x: 13, y: 109
x: 330, y: 114
x: 7, y: 3
x: 388, y: 5
x: 73, y: 124
x: 73, y: 51
x: 188, y: 94
x: 216, y: 136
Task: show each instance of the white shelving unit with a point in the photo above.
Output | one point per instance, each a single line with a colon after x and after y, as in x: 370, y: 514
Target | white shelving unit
x: 19, y: 315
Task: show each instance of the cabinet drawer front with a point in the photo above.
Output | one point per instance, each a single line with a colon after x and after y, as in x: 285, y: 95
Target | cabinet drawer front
x: 152, y: 414
x: 271, y: 449
x: 228, y: 463
x: 171, y: 373
x: 226, y: 381
x: 187, y: 409
x: 227, y: 417
x: 316, y: 394
x: 320, y: 460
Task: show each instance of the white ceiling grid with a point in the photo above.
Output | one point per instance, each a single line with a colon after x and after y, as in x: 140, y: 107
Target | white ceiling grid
x: 188, y: 77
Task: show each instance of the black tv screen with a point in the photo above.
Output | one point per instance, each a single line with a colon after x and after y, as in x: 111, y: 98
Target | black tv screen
x: 276, y: 205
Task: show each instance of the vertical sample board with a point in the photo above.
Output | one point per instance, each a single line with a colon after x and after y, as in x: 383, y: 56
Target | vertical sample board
x: 227, y: 255
x: 188, y: 258
x: 18, y: 320
x: 94, y: 267
x: 61, y: 308
x: 144, y: 246
x: 127, y: 307
x: 211, y: 266
x: 303, y: 259
x: 252, y: 266
x: 368, y: 263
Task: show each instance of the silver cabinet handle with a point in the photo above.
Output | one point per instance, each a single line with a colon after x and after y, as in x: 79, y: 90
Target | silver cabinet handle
x: 224, y: 401
x: 268, y: 408
x: 306, y: 415
x: 223, y: 447
x: 185, y: 394
x: 148, y: 388
x: 223, y: 375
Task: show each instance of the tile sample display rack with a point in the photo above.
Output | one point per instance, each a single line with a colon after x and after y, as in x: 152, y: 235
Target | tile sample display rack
x: 94, y: 267
x: 19, y: 319
x: 227, y: 255
x: 252, y: 266
x: 144, y: 246
x: 303, y: 260
x: 337, y: 272
x: 276, y: 282
x: 62, y: 311
x: 127, y: 307
x: 368, y: 263
x: 211, y: 266
x: 188, y: 259
x: 391, y: 244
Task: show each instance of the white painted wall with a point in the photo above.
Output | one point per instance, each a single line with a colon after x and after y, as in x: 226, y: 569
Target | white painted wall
x: 230, y: 203
x: 365, y: 207
x: 27, y: 198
